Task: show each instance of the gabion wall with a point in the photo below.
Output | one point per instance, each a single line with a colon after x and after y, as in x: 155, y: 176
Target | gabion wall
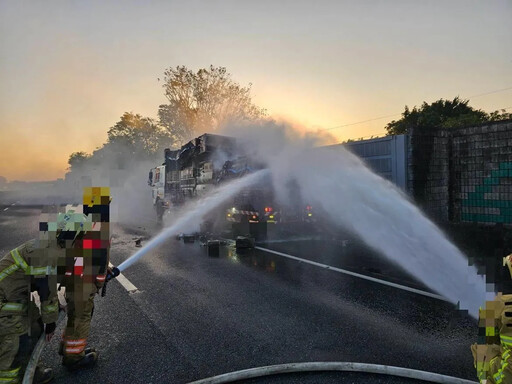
x: 428, y: 172
x: 463, y: 175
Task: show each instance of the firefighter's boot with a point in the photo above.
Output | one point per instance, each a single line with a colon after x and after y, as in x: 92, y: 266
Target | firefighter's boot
x: 43, y: 375
x: 86, y: 350
x: 88, y: 361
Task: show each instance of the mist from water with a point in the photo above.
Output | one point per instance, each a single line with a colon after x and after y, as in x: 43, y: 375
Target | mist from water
x: 339, y: 184
x: 388, y: 222
x: 195, y: 212
x: 370, y: 207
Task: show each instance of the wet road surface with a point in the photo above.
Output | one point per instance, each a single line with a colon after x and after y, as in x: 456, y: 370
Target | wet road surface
x: 195, y: 316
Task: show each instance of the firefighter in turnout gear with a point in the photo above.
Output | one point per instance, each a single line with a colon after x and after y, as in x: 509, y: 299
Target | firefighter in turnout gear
x: 85, y: 275
x: 30, y: 267
x: 493, y: 352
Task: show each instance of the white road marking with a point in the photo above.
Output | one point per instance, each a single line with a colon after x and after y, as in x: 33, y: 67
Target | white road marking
x: 5, y: 209
x: 379, y: 281
x: 127, y: 284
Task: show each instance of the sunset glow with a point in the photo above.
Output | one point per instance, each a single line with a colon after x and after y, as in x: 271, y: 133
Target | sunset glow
x: 69, y: 70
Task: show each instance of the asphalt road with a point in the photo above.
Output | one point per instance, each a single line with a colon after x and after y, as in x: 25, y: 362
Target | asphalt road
x: 195, y: 316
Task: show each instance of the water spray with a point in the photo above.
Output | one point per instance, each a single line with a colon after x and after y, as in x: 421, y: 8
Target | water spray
x: 200, y: 208
x: 356, y: 199
x: 385, y: 219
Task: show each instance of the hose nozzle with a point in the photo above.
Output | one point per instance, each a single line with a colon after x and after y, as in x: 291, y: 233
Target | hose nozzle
x: 115, y: 272
x: 112, y: 274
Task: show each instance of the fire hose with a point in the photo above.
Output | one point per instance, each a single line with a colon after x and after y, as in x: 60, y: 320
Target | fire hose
x: 332, y: 367
x: 36, y: 353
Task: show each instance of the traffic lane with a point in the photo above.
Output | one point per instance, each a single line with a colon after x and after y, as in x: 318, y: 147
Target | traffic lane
x: 453, y: 330
x: 26, y: 199
x: 429, y: 317
x: 7, y: 198
x: 272, y: 263
x: 429, y: 334
x: 225, y: 315
x: 352, y: 256
x: 5, y: 205
x: 131, y: 349
x: 17, y: 225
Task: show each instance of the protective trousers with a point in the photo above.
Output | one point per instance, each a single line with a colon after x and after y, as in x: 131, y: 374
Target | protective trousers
x: 15, y: 343
x: 80, y: 307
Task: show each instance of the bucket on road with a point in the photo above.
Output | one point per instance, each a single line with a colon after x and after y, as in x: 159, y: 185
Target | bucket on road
x: 244, y: 242
x: 213, y: 248
x: 189, y: 238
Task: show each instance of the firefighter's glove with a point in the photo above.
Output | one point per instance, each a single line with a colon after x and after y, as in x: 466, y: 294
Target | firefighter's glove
x: 482, y: 355
x: 49, y: 330
x: 112, y: 273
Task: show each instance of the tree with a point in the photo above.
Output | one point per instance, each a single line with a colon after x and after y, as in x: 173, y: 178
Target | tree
x: 203, y: 101
x: 78, y: 160
x: 138, y: 136
x: 500, y: 115
x: 440, y: 114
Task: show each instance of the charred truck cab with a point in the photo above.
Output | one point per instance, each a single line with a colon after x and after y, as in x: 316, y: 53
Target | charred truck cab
x: 190, y: 171
x: 157, y: 182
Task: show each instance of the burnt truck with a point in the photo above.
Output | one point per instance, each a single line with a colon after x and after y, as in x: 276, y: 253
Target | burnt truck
x: 206, y: 162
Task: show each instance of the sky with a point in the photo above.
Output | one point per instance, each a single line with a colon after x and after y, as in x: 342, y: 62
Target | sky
x: 70, y: 69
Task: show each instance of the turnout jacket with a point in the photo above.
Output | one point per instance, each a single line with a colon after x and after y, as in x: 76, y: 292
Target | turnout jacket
x: 23, y: 270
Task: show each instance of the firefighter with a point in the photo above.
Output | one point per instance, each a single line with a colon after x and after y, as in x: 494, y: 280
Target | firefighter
x: 493, y: 352
x: 30, y: 267
x: 85, y: 275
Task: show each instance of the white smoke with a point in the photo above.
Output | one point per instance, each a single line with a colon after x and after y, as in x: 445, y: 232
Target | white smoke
x: 369, y: 206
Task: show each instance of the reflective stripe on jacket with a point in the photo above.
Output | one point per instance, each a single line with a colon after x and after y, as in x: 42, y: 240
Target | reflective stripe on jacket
x: 26, y: 268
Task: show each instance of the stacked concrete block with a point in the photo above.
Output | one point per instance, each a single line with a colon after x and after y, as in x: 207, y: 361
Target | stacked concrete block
x: 467, y: 176
x: 482, y: 170
x: 428, y: 172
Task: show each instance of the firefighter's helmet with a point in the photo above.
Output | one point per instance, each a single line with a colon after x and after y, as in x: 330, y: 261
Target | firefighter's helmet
x: 96, y: 196
x: 70, y: 226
